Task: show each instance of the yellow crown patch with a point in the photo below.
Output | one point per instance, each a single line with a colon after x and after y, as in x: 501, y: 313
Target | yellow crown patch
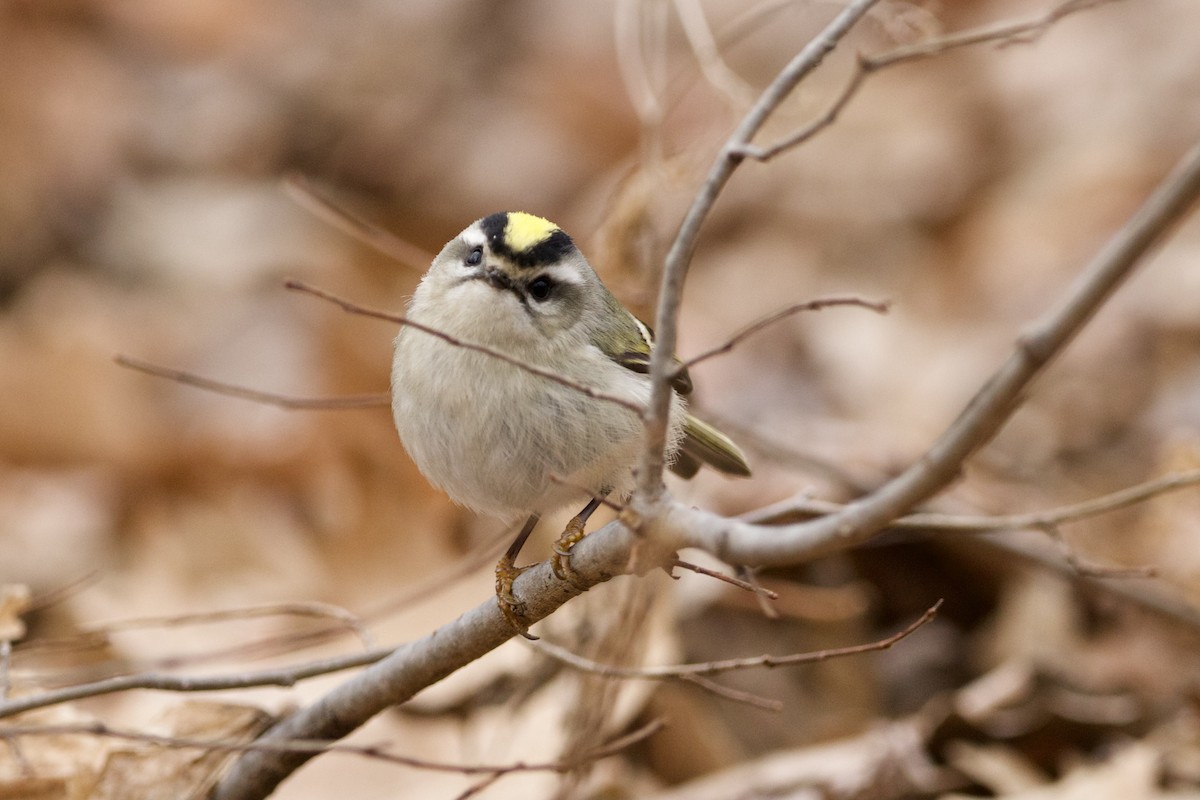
x: 526, y: 231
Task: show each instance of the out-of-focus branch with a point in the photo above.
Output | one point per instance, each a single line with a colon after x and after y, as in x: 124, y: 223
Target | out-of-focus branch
x: 730, y: 664
x: 1003, y: 33
x: 282, y: 676
x: 313, y: 200
x: 984, y: 523
x: 268, y: 398
x: 16, y: 733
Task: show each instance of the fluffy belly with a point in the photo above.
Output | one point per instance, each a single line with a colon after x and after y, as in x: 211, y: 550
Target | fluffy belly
x: 494, y: 438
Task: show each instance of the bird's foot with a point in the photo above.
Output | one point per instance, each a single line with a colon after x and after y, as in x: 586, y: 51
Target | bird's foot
x: 561, y: 561
x: 512, y: 608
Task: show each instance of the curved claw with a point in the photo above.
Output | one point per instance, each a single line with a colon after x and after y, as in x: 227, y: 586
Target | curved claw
x: 512, y: 608
x: 561, y: 562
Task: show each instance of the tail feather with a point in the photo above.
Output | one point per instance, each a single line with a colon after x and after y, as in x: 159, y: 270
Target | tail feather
x: 705, y: 444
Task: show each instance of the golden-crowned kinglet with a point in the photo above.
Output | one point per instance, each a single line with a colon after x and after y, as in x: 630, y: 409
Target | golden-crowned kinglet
x: 503, y: 441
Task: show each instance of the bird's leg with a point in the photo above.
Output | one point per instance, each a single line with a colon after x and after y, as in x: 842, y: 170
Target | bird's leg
x: 571, y: 536
x: 506, y: 573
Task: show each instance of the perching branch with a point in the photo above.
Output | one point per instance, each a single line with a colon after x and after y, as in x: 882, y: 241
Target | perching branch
x: 930, y: 522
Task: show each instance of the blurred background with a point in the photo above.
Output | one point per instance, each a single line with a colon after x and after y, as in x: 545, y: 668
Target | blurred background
x: 145, y: 154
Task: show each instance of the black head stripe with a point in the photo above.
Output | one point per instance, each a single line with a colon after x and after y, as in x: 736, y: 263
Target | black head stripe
x: 493, y: 228
x: 547, y: 251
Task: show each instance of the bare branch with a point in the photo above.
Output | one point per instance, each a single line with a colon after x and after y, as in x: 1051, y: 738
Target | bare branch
x: 1002, y: 34
x: 680, y: 255
x: 744, y: 543
x: 1089, y: 570
x: 285, y: 676
x: 817, y: 124
x: 345, y: 619
x: 279, y: 676
x: 784, y: 313
x: 732, y: 581
x: 550, y: 375
x: 182, y: 683
x: 308, y: 197
x: 5, y: 667
x: 12, y: 733
x: 982, y: 523
x: 731, y: 664
x: 353, y: 401
x: 708, y: 55
x: 58, y: 594
x: 736, y: 695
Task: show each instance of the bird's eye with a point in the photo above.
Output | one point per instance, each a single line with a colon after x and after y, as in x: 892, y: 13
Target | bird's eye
x: 475, y: 257
x: 540, y: 287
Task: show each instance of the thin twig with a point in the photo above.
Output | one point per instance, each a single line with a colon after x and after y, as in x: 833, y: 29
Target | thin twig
x: 1089, y: 570
x: 721, y: 576
x: 1114, y: 501
x: 311, y: 747
x: 783, y: 313
x: 736, y: 695
x: 58, y: 594
x: 760, y: 592
x: 347, y: 620
x: 94, y: 636
x: 1002, y: 34
x: 982, y: 523
x: 343, y: 402
x: 281, y: 676
x: 731, y: 664
x: 479, y: 786
x: 307, y: 196
x: 5, y: 667
x: 680, y: 254
x: 550, y: 375
x: 704, y: 45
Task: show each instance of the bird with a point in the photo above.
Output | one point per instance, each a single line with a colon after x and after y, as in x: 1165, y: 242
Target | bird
x: 508, y: 302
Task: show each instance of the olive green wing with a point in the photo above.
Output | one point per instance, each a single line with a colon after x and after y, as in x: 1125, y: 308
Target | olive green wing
x: 629, y: 344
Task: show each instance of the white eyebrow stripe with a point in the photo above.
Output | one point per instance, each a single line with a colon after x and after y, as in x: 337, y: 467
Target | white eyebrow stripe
x: 474, y: 237
x: 563, y: 273
x: 649, y: 340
